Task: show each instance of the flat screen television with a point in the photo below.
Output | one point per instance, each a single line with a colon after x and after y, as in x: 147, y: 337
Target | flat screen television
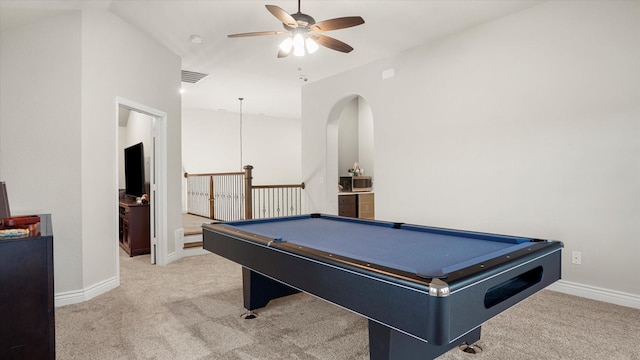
x: 134, y: 170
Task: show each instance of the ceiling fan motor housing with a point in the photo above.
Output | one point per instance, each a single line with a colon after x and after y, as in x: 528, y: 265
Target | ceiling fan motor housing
x: 303, y: 21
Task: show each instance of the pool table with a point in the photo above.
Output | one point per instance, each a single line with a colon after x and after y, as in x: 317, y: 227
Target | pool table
x: 424, y: 290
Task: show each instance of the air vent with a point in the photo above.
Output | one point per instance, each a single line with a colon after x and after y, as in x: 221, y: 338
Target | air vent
x: 192, y: 76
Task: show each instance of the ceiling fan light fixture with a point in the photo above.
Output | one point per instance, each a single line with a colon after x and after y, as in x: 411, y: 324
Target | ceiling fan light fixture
x: 286, y: 45
x: 312, y: 46
x: 305, y: 32
x: 298, y: 44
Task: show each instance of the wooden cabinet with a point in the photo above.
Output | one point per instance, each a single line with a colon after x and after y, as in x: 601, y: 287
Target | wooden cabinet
x: 347, y: 205
x: 366, y: 206
x: 27, y: 328
x: 134, y: 228
x: 357, y: 205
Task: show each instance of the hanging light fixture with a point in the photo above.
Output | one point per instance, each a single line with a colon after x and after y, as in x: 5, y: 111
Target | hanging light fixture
x: 312, y: 46
x: 241, y: 168
x: 286, y: 45
x: 300, y: 43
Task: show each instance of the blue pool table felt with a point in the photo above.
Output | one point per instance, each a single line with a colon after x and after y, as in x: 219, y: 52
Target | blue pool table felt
x: 423, y: 251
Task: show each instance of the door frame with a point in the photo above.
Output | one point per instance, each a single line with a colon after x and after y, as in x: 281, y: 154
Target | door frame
x: 157, y: 178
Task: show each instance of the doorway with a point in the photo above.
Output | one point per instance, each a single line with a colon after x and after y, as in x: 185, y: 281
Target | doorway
x: 147, y: 125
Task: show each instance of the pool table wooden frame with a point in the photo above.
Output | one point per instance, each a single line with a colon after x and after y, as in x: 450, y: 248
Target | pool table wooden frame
x: 407, y: 314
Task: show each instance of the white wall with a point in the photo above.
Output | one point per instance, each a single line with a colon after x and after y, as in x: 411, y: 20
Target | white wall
x: 120, y: 61
x: 40, y: 157
x: 59, y: 81
x: 211, y: 143
x: 366, y: 157
x: 355, y: 137
x: 527, y: 125
x: 348, y: 138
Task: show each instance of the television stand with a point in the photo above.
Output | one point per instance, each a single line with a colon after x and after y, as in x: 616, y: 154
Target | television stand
x: 134, y: 227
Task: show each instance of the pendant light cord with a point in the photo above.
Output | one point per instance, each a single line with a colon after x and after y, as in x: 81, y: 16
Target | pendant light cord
x: 241, y: 168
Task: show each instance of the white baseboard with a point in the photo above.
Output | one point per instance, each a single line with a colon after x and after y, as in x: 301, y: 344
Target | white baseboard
x: 596, y: 293
x: 68, y: 298
x: 171, y: 257
x: 78, y: 296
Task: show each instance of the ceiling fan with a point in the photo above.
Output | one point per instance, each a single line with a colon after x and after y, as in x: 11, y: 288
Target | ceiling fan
x: 306, y: 32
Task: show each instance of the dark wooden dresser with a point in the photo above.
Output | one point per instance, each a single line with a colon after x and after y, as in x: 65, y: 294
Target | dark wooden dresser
x: 134, y: 227
x: 27, y: 328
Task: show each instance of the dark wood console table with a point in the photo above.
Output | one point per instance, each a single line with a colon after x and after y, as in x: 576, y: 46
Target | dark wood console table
x: 134, y: 227
x: 27, y: 328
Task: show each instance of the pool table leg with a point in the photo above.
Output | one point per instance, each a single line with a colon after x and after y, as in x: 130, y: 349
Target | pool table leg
x: 258, y: 289
x: 389, y: 344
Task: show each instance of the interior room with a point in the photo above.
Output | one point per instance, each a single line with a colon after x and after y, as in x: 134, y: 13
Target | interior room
x: 513, y: 118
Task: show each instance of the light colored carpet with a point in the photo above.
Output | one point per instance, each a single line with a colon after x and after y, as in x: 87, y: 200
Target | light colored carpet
x: 191, y: 309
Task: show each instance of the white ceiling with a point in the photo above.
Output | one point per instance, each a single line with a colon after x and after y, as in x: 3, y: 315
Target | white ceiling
x: 248, y: 67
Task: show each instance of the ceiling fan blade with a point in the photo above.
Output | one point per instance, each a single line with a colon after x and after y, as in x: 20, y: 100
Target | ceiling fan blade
x: 258, y: 33
x: 282, y: 15
x: 331, y: 43
x: 337, y: 23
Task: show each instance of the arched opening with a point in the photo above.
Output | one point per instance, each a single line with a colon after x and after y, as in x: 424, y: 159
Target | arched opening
x: 350, y: 140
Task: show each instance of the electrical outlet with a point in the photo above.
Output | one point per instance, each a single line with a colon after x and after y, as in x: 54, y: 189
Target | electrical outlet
x: 576, y: 257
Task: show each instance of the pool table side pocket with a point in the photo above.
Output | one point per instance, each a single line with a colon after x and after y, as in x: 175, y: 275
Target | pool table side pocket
x: 506, y: 286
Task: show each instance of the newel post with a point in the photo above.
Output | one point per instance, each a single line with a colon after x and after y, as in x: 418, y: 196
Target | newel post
x: 248, y: 194
x: 212, y: 207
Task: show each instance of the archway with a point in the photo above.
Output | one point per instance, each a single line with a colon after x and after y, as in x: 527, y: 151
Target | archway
x: 350, y: 130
